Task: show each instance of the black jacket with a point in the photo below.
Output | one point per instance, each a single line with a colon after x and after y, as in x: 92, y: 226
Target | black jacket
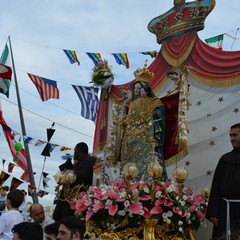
x: 84, y: 172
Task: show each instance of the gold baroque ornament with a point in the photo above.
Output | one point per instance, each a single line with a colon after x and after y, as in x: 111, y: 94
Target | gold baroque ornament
x: 148, y: 231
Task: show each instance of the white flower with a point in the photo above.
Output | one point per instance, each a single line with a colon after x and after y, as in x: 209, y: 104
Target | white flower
x: 182, y: 203
x: 165, y: 220
x: 180, y: 229
x: 164, y: 215
x: 184, y: 197
x: 158, y: 194
x: 88, y: 203
x: 126, y: 203
x: 121, y: 213
x: 135, y: 192
x: 180, y: 223
x: 171, y: 188
x: 146, y: 190
x: 141, y: 212
x: 122, y: 194
x: 108, y: 203
x: 169, y: 213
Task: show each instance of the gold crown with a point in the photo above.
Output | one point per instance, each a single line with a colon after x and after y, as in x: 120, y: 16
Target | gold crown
x: 143, y: 74
x: 182, y: 18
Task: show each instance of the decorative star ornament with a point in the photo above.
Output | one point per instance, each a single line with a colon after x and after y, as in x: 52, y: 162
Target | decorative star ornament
x: 199, y: 103
x: 212, y: 143
x: 236, y: 110
x: 220, y: 99
x: 214, y: 129
x: 209, y: 172
x: 187, y: 163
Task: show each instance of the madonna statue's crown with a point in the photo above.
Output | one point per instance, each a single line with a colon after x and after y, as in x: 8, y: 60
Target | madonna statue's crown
x: 182, y: 18
x: 143, y: 74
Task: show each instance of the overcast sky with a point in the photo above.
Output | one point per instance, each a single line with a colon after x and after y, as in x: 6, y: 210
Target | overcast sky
x: 39, y: 31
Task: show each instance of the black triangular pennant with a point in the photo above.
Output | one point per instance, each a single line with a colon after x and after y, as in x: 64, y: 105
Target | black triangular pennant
x: 50, y: 133
x: 46, y: 151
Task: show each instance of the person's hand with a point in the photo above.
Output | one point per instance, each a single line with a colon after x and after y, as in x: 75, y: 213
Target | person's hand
x: 214, y: 221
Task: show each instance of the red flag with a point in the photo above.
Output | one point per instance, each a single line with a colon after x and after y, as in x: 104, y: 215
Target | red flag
x: 20, y: 156
x: 25, y: 176
x: 5, y: 72
x: 46, y: 88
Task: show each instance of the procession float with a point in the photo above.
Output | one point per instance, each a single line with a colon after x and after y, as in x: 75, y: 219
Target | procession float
x: 139, y: 134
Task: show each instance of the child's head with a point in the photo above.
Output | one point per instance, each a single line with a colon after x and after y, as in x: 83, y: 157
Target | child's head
x: 15, y: 198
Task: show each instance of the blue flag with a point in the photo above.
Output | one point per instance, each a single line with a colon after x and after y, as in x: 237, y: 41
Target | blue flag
x: 89, y: 100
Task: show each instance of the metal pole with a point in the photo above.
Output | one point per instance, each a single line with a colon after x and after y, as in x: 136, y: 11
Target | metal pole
x: 29, y: 163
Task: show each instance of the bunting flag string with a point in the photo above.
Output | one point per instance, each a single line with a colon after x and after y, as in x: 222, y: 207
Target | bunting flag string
x: 72, y: 56
x: 45, y: 179
x: 88, y: 97
x: 122, y: 59
x: 42, y: 193
x: 96, y: 57
x: 152, y: 54
x: 3, y: 163
x: 46, y: 88
x: 15, y: 183
x: 11, y: 166
x: 5, y: 72
x: 3, y: 177
x: 215, y: 42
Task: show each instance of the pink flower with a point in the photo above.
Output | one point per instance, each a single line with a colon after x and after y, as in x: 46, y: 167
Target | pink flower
x: 98, y: 206
x: 89, y: 214
x: 146, y: 213
x: 156, y: 210
x: 167, y: 183
x: 167, y: 203
x: 134, y: 208
x: 134, y: 186
x: 112, y: 195
x: 145, y: 198
x: 112, y: 209
x: 200, y: 214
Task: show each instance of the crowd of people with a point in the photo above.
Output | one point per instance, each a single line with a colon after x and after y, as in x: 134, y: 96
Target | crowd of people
x: 64, y: 225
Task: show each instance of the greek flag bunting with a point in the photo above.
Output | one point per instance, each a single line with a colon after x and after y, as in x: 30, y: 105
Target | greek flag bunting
x: 88, y: 97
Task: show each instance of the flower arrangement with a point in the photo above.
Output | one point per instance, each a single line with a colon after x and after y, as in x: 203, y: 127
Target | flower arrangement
x: 102, y: 77
x: 128, y: 203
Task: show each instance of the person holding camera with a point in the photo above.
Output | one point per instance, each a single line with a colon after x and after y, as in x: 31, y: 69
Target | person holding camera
x: 83, y: 168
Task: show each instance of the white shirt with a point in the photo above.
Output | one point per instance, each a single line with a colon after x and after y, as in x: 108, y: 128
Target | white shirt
x: 48, y: 220
x: 7, y: 221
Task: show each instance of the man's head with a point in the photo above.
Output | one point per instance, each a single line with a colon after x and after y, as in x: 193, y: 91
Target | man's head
x: 235, y: 135
x: 27, y: 231
x: 71, y: 228
x: 51, y: 231
x: 80, y: 150
x: 14, y: 198
x: 36, y: 212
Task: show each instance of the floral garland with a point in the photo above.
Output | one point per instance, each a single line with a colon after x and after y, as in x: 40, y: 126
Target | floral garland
x: 127, y: 204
